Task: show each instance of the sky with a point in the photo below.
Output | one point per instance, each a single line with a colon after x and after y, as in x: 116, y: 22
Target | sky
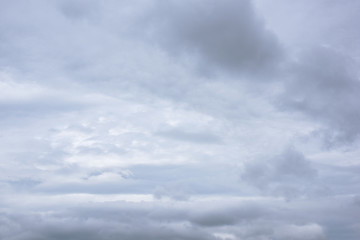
x: 179, y: 120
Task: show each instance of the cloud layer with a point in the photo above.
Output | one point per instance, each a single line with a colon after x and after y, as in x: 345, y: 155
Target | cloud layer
x: 179, y: 120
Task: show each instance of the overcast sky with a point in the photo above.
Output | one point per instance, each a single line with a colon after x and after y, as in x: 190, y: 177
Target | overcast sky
x: 179, y: 119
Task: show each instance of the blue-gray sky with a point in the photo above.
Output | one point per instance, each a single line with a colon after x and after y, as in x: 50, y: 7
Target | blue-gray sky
x: 179, y: 119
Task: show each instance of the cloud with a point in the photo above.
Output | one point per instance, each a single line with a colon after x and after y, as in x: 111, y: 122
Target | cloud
x: 173, y: 191
x: 324, y: 85
x: 317, y: 23
x: 30, y: 100
x: 308, y: 232
x: 60, y: 227
x: 132, y: 119
x: 195, y: 137
x: 228, y: 214
x: 201, y: 219
x: 288, y: 174
x: 79, y: 9
x: 225, y: 36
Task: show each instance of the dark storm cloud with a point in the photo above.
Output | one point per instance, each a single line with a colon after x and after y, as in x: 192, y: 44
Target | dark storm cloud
x: 224, y: 35
x: 324, y: 85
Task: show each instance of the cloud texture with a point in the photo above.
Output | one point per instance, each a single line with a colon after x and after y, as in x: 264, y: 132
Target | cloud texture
x: 213, y: 120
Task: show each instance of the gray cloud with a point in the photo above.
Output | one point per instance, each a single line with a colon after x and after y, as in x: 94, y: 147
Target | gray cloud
x: 228, y: 215
x: 224, y: 35
x: 80, y: 10
x: 262, y: 218
x: 288, y: 174
x: 324, y: 85
x: 51, y: 227
x: 173, y: 191
x: 107, y: 132
x: 195, y: 137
